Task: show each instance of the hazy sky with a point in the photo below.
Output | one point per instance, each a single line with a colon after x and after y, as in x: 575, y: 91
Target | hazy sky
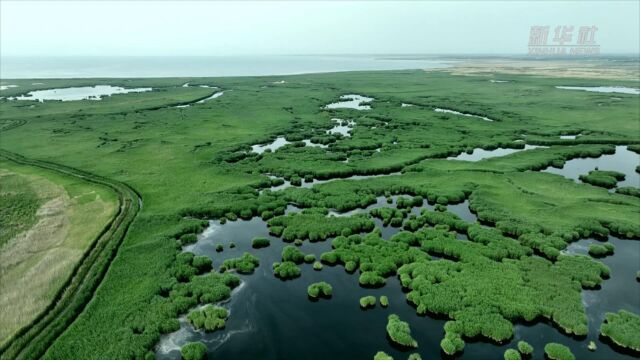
x: 297, y: 27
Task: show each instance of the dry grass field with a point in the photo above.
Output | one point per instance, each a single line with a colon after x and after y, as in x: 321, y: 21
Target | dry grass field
x: 34, y: 263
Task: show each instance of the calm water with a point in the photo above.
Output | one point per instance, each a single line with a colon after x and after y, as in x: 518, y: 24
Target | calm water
x: 274, y: 319
x: 78, y: 93
x: 603, y: 89
x: 623, y: 161
x: 342, y: 127
x: 190, y: 66
x: 479, y: 154
x: 351, y: 101
x: 279, y: 142
x: 448, y: 111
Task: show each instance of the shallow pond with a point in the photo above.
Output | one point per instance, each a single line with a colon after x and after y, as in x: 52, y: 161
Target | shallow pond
x: 624, y: 161
x: 603, y: 89
x: 479, y: 154
x: 343, y: 127
x: 569, y: 137
x: 351, y: 101
x: 308, y: 142
x: 279, y: 142
x: 5, y: 87
x: 449, y: 111
x: 78, y: 93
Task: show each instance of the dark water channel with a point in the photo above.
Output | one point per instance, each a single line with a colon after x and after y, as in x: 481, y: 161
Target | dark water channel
x: 274, y: 319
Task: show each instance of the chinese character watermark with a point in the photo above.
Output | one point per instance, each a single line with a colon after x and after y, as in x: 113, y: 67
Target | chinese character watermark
x: 562, y: 41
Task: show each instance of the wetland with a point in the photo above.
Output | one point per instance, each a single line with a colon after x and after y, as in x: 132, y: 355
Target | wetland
x: 278, y: 217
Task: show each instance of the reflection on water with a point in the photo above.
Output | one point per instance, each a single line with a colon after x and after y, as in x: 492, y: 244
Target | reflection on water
x: 479, y: 154
x: 214, y: 96
x: 624, y: 161
x: 308, y: 142
x: 78, y: 93
x: 603, y: 89
x: 343, y: 127
x: 315, y: 182
x: 448, y: 111
x: 351, y: 101
x: 279, y: 142
x: 569, y: 137
x: 5, y: 87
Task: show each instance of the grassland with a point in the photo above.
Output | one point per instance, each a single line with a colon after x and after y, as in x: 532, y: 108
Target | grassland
x: 196, y: 162
x: 49, y: 222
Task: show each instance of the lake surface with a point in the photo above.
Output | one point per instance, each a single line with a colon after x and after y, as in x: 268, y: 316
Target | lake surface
x: 479, y: 154
x: 342, y: 127
x: 623, y: 160
x: 351, y: 101
x: 78, y: 93
x: 449, y: 111
x: 603, y: 89
x: 276, y: 144
x: 201, y: 66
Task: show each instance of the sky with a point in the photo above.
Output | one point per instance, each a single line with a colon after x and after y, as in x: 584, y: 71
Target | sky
x: 219, y: 28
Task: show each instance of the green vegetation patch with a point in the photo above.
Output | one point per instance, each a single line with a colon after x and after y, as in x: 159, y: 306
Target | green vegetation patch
x: 525, y: 348
x: 244, y: 264
x: 512, y: 354
x: 209, y: 318
x: 315, y: 226
x: 623, y: 328
x: 194, y: 351
x: 19, y: 206
x: 292, y: 254
x: 399, y: 331
x: 601, y: 250
x: 389, y: 216
x: 381, y: 355
x: 605, y: 179
x: 555, y: 351
x: 320, y: 289
x: 286, y: 270
x: 367, y: 302
x: 260, y: 242
x: 628, y: 190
